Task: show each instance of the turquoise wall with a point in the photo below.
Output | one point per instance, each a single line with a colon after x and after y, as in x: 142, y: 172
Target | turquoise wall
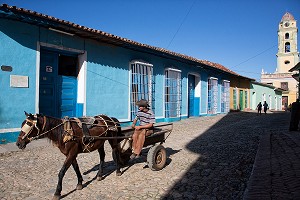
x: 18, y: 44
x: 107, y: 75
x: 256, y: 96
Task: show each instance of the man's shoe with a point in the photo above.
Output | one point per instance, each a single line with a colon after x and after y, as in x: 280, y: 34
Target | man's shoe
x: 133, y: 156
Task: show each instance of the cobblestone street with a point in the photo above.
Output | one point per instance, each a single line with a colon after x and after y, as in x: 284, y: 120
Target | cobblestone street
x: 208, y: 158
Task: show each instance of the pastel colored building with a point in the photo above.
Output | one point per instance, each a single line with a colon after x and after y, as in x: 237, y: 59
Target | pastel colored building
x: 240, y: 93
x: 58, y: 68
x: 261, y: 92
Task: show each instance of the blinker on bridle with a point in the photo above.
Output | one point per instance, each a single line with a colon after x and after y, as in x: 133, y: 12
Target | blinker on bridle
x: 29, y: 126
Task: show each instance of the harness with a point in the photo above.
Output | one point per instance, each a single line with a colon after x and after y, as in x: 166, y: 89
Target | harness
x: 85, y: 124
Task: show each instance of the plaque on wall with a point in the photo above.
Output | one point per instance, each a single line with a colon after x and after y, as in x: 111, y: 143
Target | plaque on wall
x: 19, y: 81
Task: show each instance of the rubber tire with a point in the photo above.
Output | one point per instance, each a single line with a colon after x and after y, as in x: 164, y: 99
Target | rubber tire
x: 157, y: 157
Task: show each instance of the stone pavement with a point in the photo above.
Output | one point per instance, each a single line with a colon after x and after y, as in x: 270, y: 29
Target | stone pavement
x: 234, y: 156
x: 276, y: 171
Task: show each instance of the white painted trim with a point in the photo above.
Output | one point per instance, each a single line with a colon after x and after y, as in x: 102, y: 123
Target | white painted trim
x: 173, y: 69
x: 62, y: 48
x: 10, y: 130
x: 140, y: 62
x: 81, y: 89
x: 164, y: 93
x: 129, y: 88
x: 37, y: 77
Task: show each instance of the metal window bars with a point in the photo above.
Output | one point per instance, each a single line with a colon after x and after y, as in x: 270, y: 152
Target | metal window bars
x: 212, y: 102
x: 172, y: 93
x: 225, y: 96
x: 142, y: 85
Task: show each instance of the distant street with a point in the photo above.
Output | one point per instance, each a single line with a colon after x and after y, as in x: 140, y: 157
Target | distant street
x: 209, y: 158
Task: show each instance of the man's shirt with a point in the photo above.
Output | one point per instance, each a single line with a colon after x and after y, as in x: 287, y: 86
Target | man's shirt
x: 145, y: 117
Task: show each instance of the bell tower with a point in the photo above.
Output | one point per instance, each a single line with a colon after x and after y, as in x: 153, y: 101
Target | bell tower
x: 288, y: 55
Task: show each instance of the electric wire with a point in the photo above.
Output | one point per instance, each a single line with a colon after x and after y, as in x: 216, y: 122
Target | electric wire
x: 181, y: 24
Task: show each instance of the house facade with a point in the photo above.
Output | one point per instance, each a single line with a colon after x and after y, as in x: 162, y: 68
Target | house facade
x: 58, y: 68
x: 240, y: 93
x: 261, y: 92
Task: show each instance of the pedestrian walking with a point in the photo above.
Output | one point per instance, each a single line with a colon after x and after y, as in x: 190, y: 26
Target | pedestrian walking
x: 258, y: 107
x: 266, y: 107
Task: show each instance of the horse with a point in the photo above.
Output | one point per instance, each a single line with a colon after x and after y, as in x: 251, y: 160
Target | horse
x: 69, y: 136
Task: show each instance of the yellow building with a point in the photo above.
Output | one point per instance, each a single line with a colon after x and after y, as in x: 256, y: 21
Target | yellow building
x: 287, y: 57
x: 240, y: 93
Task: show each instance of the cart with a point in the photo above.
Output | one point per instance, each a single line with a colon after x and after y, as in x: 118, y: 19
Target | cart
x: 157, y: 155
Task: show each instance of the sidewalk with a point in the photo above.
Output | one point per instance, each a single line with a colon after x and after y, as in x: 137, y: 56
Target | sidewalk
x: 276, y: 171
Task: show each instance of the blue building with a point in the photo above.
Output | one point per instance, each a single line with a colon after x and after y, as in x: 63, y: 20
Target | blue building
x: 59, y: 68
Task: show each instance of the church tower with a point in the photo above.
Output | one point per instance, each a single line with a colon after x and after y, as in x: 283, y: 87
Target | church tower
x: 288, y: 55
x: 287, y: 58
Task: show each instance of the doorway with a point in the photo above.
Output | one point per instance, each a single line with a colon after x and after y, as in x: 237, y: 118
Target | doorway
x: 58, y: 84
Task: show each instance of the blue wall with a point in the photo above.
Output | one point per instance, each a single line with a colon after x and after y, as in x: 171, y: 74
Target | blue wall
x: 107, y: 75
x: 18, y: 43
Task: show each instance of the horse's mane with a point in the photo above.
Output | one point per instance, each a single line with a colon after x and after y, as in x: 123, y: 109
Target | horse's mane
x: 55, y: 135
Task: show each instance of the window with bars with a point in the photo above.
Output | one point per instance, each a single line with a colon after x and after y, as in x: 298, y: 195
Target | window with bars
x: 172, y: 93
x: 235, y: 99
x: 142, y: 85
x: 212, y: 102
x: 246, y: 99
x: 225, y: 96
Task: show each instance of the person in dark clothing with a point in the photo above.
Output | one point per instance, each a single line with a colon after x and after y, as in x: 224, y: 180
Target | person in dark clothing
x: 266, y: 107
x: 258, y: 107
x: 295, y: 116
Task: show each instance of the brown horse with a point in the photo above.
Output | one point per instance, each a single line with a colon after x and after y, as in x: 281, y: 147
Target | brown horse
x: 68, y: 135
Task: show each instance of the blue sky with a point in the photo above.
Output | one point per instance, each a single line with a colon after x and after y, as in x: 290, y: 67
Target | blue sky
x: 239, y: 34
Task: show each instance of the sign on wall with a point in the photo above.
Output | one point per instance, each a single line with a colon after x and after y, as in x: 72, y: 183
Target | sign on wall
x: 19, y: 81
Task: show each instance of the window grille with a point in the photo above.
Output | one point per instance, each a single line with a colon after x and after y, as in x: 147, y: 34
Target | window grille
x: 225, y: 96
x: 212, y: 96
x: 246, y: 99
x: 172, y: 93
x: 142, y: 85
x: 235, y: 99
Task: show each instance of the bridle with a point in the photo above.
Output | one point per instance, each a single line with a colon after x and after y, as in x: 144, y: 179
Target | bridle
x: 28, y: 127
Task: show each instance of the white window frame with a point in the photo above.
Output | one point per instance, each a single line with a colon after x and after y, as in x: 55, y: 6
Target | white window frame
x: 225, y: 96
x: 173, y: 93
x: 141, y: 86
x: 212, y: 105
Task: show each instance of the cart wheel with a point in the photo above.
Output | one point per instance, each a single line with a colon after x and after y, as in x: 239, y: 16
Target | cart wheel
x: 124, y: 157
x: 157, y: 157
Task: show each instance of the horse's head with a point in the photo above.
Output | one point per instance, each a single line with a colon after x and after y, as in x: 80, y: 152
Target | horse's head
x: 29, y: 130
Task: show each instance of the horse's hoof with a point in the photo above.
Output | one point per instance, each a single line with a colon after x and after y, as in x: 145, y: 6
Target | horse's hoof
x: 119, y: 173
x: 99, y: 178
x: 79, y: 187
x: 56, y: 197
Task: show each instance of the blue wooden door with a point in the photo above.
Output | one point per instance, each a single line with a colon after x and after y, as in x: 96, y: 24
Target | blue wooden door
x: 191, y: 95
x: 58, y: 85
x: 67, y: 90
x: 48, y: 87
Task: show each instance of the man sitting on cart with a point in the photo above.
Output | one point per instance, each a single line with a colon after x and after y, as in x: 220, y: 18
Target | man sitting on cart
x: 146, y: 119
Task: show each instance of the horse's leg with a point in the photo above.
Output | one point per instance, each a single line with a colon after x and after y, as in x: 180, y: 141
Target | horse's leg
x: 102, y: 157
x: 79, y: 176
x: 115, y: 154
x: 61, y: 175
